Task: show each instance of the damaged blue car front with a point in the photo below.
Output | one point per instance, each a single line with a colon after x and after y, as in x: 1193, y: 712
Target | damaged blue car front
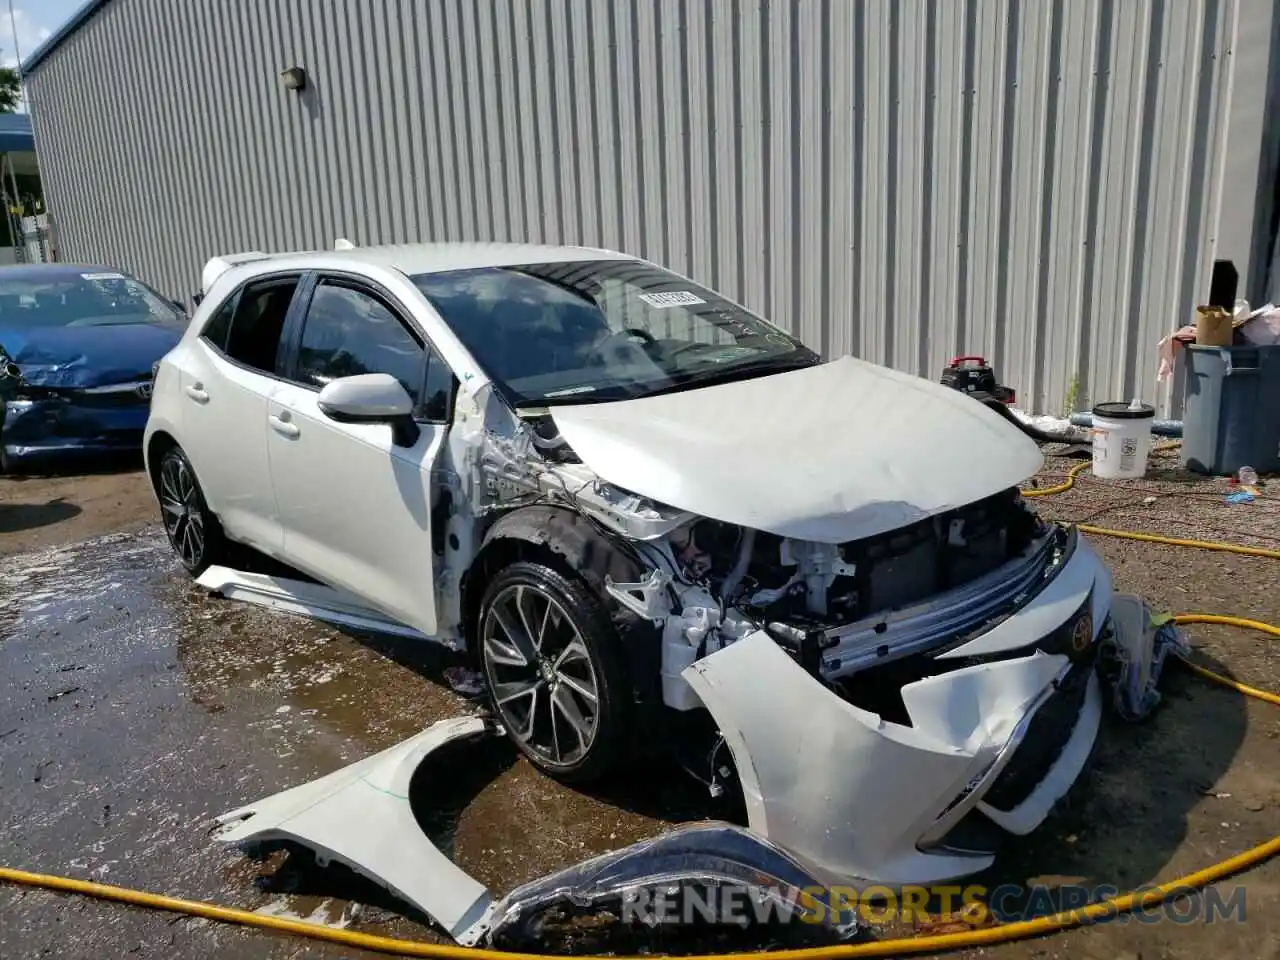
x: 77, y: 348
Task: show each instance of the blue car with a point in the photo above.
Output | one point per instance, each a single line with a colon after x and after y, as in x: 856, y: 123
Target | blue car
x: 78, y: 345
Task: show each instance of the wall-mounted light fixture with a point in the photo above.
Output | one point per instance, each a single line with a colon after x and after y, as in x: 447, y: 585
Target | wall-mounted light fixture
x: 295, y: 78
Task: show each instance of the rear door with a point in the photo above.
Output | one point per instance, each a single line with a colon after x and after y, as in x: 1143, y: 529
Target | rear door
x: 355, y: 507
x: 226, y: 379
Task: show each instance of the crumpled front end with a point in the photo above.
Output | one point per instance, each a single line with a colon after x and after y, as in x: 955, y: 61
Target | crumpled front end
x: 964, y: 743
x: 42, y: 422
x: 70, y: 390
x: 893, y: 703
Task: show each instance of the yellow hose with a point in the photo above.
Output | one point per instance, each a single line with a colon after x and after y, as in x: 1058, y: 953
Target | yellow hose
x: 935, y: 943
x: 1179, y: 542
x: 1079, y: 468
x: 1062, y: 487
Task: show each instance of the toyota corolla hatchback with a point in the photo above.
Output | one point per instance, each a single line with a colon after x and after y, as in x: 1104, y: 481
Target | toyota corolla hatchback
x: 654, y: 518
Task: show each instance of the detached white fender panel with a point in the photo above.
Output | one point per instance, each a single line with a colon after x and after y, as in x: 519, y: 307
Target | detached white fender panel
x: 360, y: 816
x: 858, y: 796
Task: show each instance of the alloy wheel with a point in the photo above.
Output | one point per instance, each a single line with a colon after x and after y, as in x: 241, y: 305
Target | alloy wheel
x: 541, y: 674
x: 182, y: 510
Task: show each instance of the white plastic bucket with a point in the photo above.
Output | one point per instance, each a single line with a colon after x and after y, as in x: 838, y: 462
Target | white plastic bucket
x: 1121, y: 439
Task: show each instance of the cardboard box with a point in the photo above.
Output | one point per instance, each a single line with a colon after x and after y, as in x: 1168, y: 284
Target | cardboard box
x: 1214, y: 327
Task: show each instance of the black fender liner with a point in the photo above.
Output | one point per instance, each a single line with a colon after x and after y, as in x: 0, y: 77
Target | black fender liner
x: 568, y: 539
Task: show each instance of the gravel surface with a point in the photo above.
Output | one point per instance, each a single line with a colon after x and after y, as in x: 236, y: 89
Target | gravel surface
x: 1170, y: 501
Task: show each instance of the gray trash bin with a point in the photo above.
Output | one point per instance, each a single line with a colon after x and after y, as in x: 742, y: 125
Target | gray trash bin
x: 1232, y: 414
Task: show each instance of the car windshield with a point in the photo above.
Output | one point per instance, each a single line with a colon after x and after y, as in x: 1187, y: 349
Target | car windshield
x: 91, y: 298
x: 595, y: 330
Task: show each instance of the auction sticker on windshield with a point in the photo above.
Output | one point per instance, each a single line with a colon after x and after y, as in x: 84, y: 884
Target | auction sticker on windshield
x: 102, y: 276
x: 674, y: 298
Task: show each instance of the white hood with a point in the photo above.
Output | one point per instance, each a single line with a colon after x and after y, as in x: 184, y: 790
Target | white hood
x: 830, y: 453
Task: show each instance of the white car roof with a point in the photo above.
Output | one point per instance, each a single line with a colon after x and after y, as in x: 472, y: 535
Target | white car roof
x: 413, y: 258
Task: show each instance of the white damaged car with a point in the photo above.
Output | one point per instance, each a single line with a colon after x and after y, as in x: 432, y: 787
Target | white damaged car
x: 653, y: 518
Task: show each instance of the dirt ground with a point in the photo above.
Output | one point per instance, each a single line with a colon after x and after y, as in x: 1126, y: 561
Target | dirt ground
x: 136, y: 708
x: 39, y: 510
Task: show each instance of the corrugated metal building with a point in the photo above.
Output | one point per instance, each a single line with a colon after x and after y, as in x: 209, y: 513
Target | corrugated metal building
x: 1045, y: 182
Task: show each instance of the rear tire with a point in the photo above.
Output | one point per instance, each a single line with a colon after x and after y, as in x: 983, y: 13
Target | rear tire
x: 193, y: 530
x: 554, y: 670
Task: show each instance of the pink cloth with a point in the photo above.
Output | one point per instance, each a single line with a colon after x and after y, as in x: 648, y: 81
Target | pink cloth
x: 1168, y: 350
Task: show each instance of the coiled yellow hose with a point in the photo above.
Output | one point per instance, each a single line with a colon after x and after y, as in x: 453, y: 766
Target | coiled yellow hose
x: 933, y: 943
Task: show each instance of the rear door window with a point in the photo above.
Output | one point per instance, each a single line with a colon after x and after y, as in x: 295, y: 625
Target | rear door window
x: 217, y: 329
x: 258, y: 323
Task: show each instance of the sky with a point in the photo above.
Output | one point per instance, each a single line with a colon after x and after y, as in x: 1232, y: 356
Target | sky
x: 33, y: 21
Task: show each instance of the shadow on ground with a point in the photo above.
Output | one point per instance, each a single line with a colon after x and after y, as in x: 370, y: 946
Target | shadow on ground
x: 27, y: 516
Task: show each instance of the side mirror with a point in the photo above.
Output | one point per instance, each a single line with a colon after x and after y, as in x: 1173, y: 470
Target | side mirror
x: 371, y: 398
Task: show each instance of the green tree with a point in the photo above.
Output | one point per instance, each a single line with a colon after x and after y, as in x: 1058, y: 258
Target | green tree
x: 10, y: 89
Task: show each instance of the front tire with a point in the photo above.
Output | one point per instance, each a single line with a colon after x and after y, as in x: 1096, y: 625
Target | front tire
x: 192, y: 529
x: 554, y: 671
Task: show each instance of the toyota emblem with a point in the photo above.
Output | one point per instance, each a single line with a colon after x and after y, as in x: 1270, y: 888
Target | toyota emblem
x: 143, y: 390
x: 1082, y: 634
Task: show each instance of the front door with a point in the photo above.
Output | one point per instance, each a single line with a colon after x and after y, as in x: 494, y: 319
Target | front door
x: 354, y: 505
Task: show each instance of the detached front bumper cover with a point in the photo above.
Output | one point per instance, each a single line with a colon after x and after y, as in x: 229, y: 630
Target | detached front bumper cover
x: 999, y: 727
x: 865, y: 798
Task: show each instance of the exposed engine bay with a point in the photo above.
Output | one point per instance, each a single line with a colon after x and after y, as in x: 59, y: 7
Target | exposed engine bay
x: 774, y: 578
x: 771, y: 577
x: 710, y: 582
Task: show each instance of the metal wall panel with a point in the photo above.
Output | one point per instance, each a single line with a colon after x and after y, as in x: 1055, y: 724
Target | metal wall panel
x: 1039, y: 181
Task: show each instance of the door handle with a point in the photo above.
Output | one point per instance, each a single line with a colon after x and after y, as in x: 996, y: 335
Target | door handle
x: 197, y: 393
x: 283, y: 426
